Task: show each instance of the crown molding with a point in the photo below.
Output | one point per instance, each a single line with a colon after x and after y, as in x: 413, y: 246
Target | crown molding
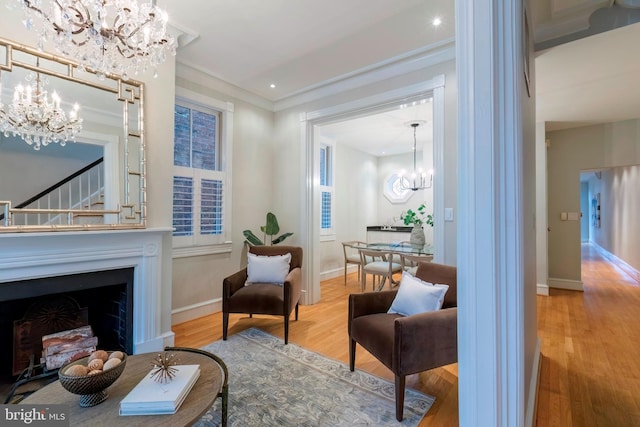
x: 425, y: 57
x: 418, y: 59
x: 182, y: 34
x: 204, y: 78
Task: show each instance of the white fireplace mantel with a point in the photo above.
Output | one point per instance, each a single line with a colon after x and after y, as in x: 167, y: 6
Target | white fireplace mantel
x: 25, y: 256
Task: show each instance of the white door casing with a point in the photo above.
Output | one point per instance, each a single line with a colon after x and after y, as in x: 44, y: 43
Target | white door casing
x: 310, y: 209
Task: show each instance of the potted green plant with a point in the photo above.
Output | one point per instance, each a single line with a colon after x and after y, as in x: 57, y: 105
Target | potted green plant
x: 269, y: 230
x: 417, y: 218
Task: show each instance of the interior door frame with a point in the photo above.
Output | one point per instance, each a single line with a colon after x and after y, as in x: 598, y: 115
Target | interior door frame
x: 310, y: 209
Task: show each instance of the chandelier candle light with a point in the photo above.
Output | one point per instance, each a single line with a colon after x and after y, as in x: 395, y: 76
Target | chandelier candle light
x: 418, y: 179
x: 121, y: 37
x: 36, y: 119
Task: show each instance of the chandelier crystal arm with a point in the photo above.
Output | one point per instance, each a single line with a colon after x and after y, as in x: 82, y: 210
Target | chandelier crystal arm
x: 110, y: 37
x: 36, y: 119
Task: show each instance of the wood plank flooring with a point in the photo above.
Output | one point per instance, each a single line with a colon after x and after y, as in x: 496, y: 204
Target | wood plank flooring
x: 590, y: 371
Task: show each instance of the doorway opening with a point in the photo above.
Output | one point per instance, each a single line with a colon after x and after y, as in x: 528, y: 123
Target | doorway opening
x: 312, y: 125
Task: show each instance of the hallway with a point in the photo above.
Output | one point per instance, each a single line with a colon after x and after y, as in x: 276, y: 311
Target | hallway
x: 590, y: 373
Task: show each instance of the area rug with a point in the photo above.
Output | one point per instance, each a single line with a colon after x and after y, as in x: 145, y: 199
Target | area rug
x: 272, y: 384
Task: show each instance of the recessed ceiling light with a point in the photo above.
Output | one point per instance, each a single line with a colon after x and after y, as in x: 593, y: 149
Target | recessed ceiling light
x: 436, y: 21
x: 272, y: 86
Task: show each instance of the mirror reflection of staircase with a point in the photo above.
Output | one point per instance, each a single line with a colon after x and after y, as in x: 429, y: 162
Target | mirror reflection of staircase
x: 81, y: 190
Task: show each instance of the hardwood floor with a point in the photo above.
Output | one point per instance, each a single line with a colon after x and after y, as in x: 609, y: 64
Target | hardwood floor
x: 590, y: 372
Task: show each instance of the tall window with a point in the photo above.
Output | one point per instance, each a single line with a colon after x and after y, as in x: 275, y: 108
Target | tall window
x: 199, y: 181
x: 326, y: 190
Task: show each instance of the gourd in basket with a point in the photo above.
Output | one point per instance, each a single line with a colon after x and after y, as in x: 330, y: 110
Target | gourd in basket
x: 90, y: 376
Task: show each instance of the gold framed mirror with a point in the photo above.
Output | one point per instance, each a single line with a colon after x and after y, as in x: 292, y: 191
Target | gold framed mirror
x: 94, y: 179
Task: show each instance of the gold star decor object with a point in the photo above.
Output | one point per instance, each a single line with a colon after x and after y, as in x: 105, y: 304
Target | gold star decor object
x: 163, y: 369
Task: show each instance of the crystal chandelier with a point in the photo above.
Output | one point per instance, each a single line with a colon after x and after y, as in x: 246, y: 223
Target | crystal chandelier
x: 36, y: 119
x: 418, y: 179
x: 108, y: 36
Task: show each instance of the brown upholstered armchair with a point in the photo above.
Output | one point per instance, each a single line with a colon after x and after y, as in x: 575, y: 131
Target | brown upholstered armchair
x: 264, y: 298
x: 411, y: 344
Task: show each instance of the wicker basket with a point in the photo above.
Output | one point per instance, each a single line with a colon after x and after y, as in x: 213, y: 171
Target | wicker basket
x: 91, y: 388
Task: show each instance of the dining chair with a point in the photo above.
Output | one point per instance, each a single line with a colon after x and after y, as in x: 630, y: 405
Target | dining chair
x: 351, y: 256
x: 410, y: 262
x: 380, y: 265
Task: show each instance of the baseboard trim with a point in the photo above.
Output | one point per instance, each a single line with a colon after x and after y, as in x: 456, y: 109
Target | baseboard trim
x: 331, y: 274
x: 154, y: 345
x: 542, y: 289
x: 572, y: 285
x: 190, y: 312
x: 622, y: 265
x: 532, y: 405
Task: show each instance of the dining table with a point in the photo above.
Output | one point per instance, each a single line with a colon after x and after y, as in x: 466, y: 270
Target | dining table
x: 396, y: 248
x: 399, y: 248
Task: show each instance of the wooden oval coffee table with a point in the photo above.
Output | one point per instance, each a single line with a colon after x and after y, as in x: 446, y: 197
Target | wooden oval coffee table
x: 209, y: 386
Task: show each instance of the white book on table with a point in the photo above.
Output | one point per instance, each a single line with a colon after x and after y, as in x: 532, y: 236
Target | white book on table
x: 151, y: 397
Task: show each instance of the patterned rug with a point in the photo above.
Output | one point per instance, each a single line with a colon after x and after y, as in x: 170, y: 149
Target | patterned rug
x: 272, y: 384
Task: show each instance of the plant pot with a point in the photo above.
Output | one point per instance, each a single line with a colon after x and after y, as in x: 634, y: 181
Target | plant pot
x: 417, y: 236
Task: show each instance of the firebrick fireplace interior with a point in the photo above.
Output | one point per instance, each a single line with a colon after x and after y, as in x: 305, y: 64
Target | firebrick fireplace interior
x: 107, y: 296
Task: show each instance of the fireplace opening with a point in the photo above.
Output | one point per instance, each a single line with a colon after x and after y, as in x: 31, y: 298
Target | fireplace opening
x: 104, y: 300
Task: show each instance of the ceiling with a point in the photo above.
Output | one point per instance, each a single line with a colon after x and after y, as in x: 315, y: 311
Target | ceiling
x: 304, y: 44
x: 385, y: 133
x: 300, y: 44
x: 591, y: 80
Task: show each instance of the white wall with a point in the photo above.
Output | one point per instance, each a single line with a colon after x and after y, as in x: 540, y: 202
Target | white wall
x: 360, y: 201
x: 44, y: 168
x: 389, y: 213
x: 595, y: 187
x: 584, y: 210
x: 355, y: 205
x: 197, y: 280
x: 572, y: 151
x: 529, y: 241
x: 619, y: 232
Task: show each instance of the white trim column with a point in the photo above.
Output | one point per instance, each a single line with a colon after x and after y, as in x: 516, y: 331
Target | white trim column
x: 439, y: 241
x: 490, y: 206
x: 309, y: 232
x: 542, y: 265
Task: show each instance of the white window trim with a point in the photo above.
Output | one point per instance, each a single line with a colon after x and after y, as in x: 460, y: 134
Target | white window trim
x: 328, y: 234
x: 181, y: 249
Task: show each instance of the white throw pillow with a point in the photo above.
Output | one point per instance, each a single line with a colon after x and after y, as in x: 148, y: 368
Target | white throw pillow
x: 267, y: 269
x: 417, y: 296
